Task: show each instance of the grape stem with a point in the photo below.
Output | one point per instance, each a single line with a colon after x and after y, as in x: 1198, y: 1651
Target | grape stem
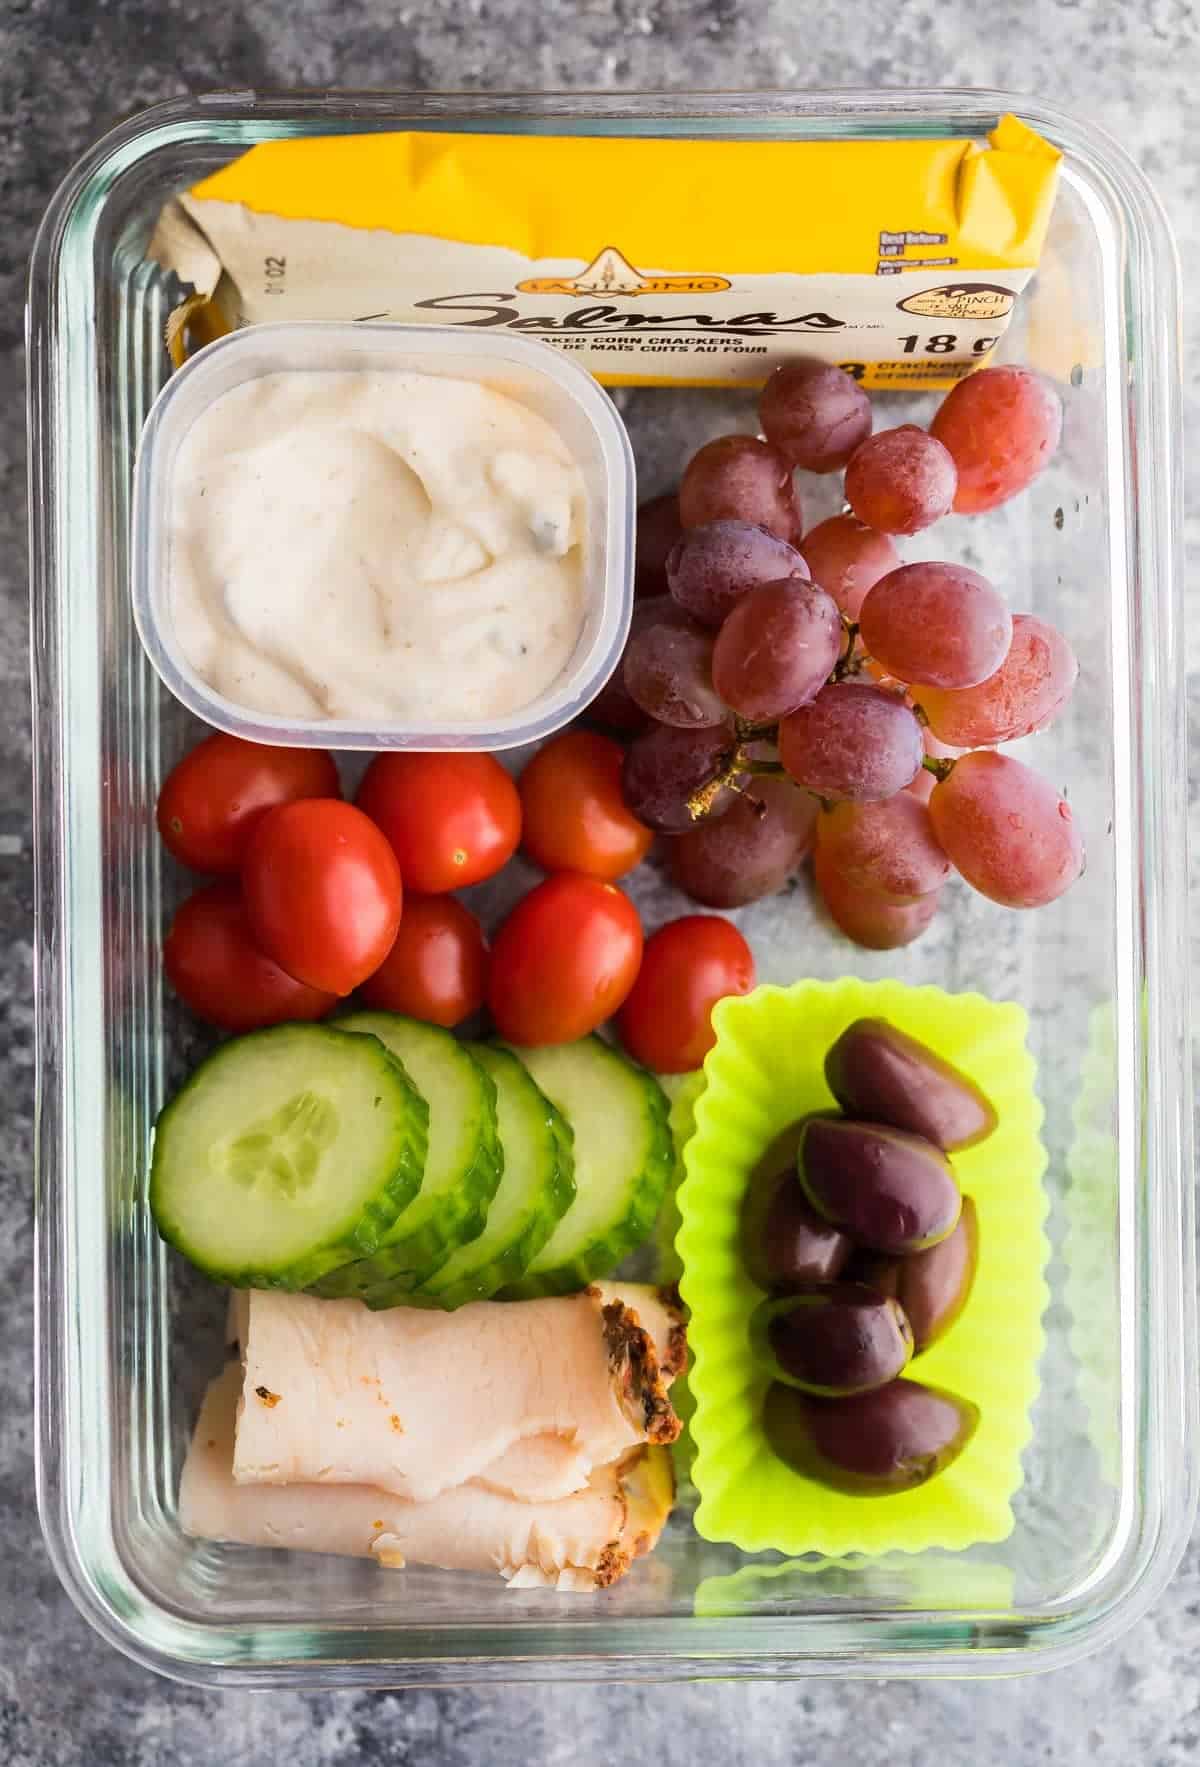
x: 702, y: 800
x: 756, y: 804
x: 738, y: 763
x: 746, y: 731
x: 848, y: 664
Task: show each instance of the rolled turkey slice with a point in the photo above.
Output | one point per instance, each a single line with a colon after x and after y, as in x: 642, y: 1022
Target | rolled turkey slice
x: 529, y: 1395
x: 538, y: 1469
x: 580, y: 1543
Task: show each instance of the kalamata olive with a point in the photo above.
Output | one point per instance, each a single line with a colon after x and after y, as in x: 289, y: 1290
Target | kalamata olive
x: 873, y: 1444
x: 885, y: 1076
x: 931, y: 1286
x: 783, y: 1150
x: 832, y: 1338
x: 889, y: 1191
x: 784, y: 1240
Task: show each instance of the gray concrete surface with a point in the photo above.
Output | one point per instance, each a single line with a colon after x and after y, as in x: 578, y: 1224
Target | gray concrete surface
x: 67, y: 70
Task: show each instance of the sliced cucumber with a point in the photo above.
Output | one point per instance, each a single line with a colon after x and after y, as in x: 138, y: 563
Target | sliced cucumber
x: 462, y: 1165
x: 623, y: 1161
x: 288, y: 1153
x: 536, y: 1190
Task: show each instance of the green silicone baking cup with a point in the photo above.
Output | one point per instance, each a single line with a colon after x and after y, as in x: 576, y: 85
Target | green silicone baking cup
x: 765, y: 1071
x: 929, y: 1582
x: 683, y: 1090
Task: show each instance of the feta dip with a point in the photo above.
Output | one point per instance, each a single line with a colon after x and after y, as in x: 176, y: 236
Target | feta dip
x: 375, y: 545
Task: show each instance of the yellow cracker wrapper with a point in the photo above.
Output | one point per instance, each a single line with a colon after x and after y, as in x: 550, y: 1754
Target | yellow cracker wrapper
x: 653, y: 261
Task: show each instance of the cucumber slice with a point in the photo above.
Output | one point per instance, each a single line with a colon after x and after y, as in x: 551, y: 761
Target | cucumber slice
x: 623, y: 1161
x: 462, y: 1166
x: 536, y: 1190
x: 288, y: 1153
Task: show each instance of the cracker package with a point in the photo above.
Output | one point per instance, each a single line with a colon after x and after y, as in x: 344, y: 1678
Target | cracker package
x: 654, y: 261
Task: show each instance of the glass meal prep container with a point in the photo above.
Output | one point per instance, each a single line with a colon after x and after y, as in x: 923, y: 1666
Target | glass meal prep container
x: 127, y: 1336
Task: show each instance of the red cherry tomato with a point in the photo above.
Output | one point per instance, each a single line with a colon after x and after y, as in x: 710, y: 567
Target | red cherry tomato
x: 323, y: 892
x: 688, y: 966
x: 574, y: 815
x: 564, y: 960
x: 452, y: 819
x: 211, y: 800
x: 437, y: 969
x: 212, y: 963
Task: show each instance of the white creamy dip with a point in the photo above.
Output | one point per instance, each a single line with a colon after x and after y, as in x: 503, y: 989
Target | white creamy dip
x: 375, y: 545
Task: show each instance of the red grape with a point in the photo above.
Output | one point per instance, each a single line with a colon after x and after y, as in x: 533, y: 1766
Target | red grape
x: 869, y: 919
x: 815, y: 414
x: 658, y: 528
x: 743, y: 479
x: 901, y: 481
x: 745, y: 854
x: 712, y: 566
x: 664, y: 767
x: 921, y: 784
x: 776, y: 649
x: 1001, y: 426
x: 889, y: 848
x: 939, y: 624
x: 881, y: 677
x: 937, y: 750
x: 852, y: 741
x: 1006, y: 830
x: 668, y: 672
x: 1026, y: 693
x: 613, y: 708
x: 846, y: 559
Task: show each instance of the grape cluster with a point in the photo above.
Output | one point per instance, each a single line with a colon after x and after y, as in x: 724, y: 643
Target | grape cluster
x: 788, y: 693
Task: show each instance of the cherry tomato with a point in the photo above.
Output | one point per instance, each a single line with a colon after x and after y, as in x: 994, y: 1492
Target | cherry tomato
x: 689, y: 964
x: 564, y: 960
x: 574, y: 816
x: 211, y: 800
x: 323, y: 892
x: 452, y: 819
x: 212, y: 963
x: 437, y: 969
